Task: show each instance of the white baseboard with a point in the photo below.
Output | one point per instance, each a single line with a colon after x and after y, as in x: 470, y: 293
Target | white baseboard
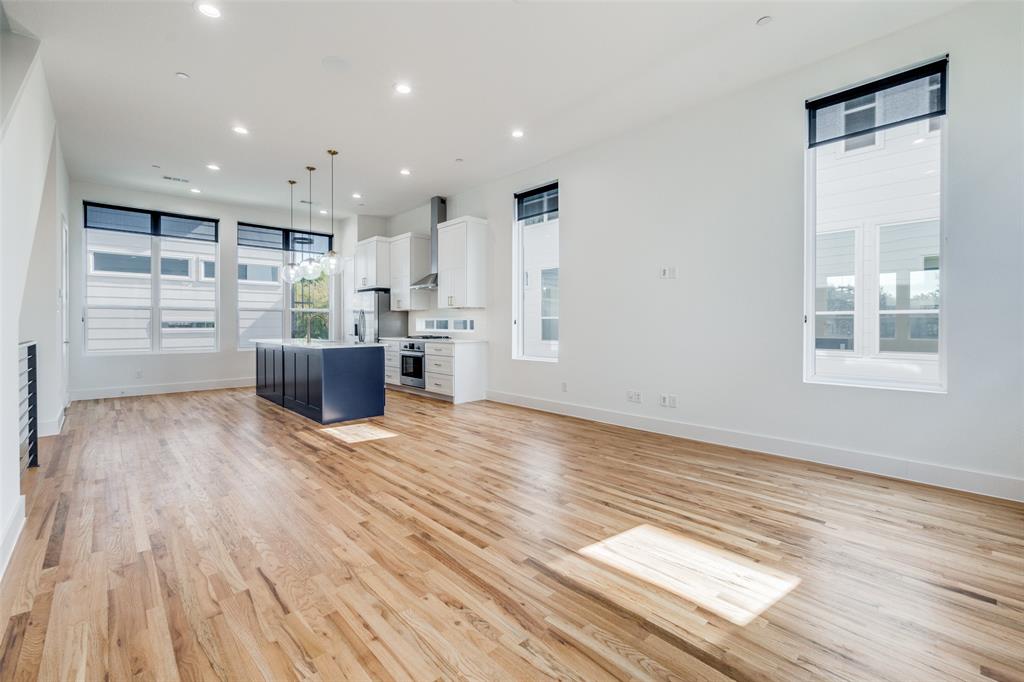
x: 993, y: 485
x: 11, y: 530
x: 52, y: 427
x: 154, y: 389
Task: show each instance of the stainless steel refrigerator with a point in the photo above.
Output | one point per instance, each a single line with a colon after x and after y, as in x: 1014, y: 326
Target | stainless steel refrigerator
x: 375, y: 319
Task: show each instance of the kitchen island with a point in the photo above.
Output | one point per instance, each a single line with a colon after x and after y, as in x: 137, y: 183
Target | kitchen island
x: 326, y: 381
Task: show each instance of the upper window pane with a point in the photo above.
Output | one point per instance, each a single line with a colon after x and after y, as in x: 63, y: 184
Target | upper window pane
x: 120, y: 219
x: 188, y: 228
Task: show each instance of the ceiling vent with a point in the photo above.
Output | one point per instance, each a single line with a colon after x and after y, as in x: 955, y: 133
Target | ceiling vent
x: 174, y: 179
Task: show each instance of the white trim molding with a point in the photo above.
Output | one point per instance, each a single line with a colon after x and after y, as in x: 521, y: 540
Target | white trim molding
x: 52, y: 427
x: 968, y: 480
x: 11, y: 531
x: 155, y: 389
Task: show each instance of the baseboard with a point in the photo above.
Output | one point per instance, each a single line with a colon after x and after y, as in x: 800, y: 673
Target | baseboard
x: 52, y: 427
x: 11, y: 530
x: 993, y: 485
x: 155, y: 389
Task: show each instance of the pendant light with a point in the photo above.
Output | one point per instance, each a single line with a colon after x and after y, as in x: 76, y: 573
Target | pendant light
x: 331, y: 261
x: 310, y: 268
x: 290, y: 272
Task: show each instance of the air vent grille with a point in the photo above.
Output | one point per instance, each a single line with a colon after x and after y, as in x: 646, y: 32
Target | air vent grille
x: 174, y: 179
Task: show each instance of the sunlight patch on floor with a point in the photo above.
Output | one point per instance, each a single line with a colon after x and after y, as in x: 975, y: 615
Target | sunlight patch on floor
x: 725, y: 583
x: 358, y: 433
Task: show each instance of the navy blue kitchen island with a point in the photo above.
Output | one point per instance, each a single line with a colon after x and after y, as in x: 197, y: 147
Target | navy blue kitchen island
x: 325, y: 381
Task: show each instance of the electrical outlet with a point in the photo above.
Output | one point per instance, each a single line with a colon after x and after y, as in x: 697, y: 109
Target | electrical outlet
x: 565, y: 387
x: 668, y: 400
x: 634, y: 396
x: 667, y: 272
x: 138, y: 374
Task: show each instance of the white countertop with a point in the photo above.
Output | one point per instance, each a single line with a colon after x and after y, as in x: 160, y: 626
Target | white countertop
x: 317, y: 343
x: 407, y: 338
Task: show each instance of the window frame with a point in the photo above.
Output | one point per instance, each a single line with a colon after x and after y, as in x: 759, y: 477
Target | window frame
x: 518, y: 350
x: 155, y: 256
x: 873, y: 354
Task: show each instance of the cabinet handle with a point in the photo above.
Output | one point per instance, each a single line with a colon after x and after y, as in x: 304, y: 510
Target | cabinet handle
x: 436, y: 383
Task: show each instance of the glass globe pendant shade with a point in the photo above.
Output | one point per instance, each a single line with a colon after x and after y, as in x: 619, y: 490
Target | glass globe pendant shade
x: 290, y: 273
x: 331, y: 263
x: 310, y: 269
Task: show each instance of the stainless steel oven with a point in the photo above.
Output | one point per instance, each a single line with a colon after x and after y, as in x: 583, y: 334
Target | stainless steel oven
x: 412, y: 364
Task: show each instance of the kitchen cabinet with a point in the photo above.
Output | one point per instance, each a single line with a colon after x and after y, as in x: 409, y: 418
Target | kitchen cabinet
x: 326, y: 381
x: 372, y: 263
x: 462, y: 263
x: 457, y: 369
x: 270, y: 372
x: 409, y: 261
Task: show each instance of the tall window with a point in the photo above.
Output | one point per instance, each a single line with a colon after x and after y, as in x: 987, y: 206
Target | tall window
x: 873, y: 308
x: 536, y: 289
x: 262, y: 296
x: 151, y: 281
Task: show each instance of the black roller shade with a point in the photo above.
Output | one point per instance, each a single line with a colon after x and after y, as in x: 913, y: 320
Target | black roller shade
x: 103, y: 217
x: 154, y: 223
x: 912, y: 95
x: 537, y: 202
x: 185, y: 227
x: 281, y: 239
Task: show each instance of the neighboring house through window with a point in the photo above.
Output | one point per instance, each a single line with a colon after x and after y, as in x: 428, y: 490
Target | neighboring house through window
x: 874, y: 234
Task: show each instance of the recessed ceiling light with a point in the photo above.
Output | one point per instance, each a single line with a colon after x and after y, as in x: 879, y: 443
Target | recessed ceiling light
x: 241, y: 130
x: 403, y: 88
x: 357, y: 195
x: 213, y: 166
x: 518, y: 133
x: 405, y: 171
x: 208, y: 9
x: 195, y: 190
x: 323, y: 211
x: 763, y: 21
x: 182, y: 75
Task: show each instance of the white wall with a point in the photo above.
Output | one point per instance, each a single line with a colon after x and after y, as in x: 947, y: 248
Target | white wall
x: 40, y: 319
x: 26, y: 143
x: 95, y: 375
x: 717, y: 191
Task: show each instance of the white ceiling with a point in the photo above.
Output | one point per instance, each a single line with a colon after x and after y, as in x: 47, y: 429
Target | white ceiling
x: 568, y: 73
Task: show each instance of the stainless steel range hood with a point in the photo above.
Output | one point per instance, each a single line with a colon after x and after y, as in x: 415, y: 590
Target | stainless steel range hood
x: 438, y: 214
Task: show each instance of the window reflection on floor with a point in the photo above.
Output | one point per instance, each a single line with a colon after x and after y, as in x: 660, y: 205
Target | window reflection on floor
x: 358, y: 433
x: 727, y: 584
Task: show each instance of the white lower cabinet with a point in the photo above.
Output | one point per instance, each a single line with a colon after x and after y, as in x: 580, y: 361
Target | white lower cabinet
x: 440, y: 383
x: 456, y: 369
x: 392, y: 375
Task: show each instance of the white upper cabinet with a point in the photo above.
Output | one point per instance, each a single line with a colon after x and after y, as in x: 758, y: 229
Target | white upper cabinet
x: 462, y: 263
x: 373, y: 263
x: 410, y: 261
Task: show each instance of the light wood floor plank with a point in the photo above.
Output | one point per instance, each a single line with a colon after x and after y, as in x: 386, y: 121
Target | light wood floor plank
x: 214, y: 536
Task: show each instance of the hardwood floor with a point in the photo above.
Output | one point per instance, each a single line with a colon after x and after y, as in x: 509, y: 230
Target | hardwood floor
x: 213, y: 535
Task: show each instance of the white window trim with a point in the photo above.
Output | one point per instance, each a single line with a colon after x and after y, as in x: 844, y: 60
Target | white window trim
x: 154, y: 307
x: 939, y: 360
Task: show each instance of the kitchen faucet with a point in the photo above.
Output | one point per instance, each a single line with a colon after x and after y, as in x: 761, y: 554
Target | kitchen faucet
x: 309, y: 323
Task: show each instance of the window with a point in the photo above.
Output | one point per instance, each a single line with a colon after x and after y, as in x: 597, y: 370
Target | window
x: 262, y: 313
x: 132, y: 306
x: 455, y: 325
x: 874, y: 233
x: 535, y: 325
